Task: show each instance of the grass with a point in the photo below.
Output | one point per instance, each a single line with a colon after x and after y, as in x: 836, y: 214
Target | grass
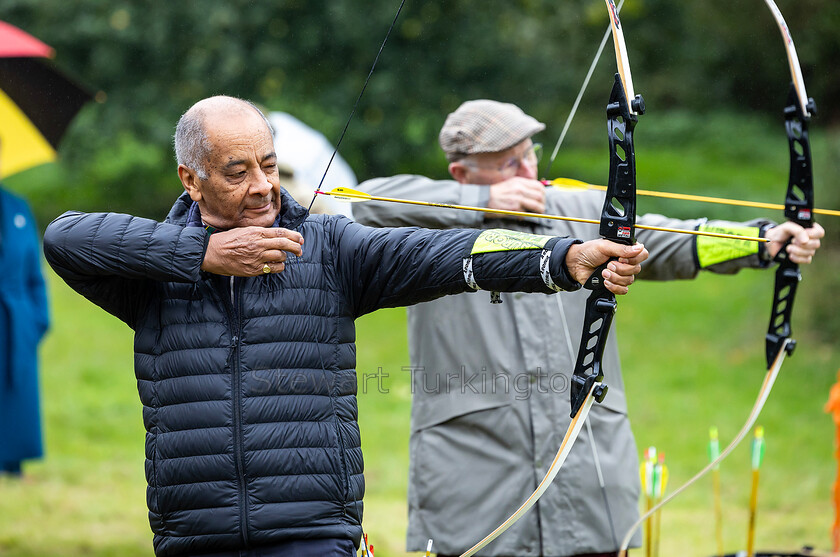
x: 692, y: 355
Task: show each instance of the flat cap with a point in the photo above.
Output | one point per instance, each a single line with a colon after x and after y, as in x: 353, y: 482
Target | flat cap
x: 485, y: 126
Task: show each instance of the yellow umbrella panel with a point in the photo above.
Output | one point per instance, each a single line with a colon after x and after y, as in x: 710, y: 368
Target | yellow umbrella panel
x: 21, y: 144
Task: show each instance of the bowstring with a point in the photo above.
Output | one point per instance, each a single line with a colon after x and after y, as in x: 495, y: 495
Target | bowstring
x: 356, y: 104
x: 315, y: 195
x: 583, y: 87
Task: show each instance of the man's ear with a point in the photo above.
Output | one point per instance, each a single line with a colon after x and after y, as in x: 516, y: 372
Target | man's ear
x: 458, y: 172
x: 190, y: 181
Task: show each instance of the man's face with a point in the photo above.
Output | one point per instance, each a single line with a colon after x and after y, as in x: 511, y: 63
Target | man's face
x: 243, y: 187
x: 490, y: 168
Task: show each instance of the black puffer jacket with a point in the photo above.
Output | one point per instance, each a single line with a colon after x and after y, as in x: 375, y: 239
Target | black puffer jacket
x: 248, y: 384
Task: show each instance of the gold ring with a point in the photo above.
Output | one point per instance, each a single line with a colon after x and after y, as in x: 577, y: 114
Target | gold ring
x: 266, y: 269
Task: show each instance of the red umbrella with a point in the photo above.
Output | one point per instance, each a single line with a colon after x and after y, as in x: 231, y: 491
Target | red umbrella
x: 37, y: 102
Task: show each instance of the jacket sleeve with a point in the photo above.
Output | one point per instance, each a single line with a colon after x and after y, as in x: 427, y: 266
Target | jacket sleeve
x: 419, y: 188
x: 114, y: 259
x: 389, y: 267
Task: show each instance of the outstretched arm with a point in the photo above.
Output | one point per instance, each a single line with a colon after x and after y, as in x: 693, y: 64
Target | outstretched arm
x: 403, y: 266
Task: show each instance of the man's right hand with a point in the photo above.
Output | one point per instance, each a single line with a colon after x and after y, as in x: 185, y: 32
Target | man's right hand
x: 517, y: 194
x: 244, y: 252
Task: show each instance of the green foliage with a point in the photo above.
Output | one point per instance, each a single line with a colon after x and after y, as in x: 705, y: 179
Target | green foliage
x: 310, y: 58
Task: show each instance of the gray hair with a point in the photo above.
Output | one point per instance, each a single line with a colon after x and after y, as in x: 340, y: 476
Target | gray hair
x: 192, y: 147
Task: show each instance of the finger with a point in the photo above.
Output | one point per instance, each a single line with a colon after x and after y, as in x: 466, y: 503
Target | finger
x: 532, y: 205
x: 816, y: 231
x: 635, y: 260
x: 618, y: 279
x: 530, y: 196
x: 624, y: 269
x: 801, y: 259
x: 292, y: 235
x: 801, y: 237
x: 274, y: 256
x: 534, y: 190
x: 616, y: 289
x: 634, y: 255
x: 283, y: 243
x: 791, y: 230
x: 809, y: 246
x: 612, y: 249
x: 799, y: 254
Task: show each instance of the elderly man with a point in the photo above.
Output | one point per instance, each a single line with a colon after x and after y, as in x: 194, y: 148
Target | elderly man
x: 244, y: 334
x: 473, y: 446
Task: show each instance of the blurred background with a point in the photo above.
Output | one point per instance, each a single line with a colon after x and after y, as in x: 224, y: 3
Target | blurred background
x: 715, y: 79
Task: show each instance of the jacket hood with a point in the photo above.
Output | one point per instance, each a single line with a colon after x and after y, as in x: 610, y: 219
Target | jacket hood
x: 185, y: 211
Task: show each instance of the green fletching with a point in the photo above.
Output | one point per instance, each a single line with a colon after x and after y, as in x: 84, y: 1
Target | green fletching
x: 714, y: 445
x: 757, y: 452
x: 657, y: 478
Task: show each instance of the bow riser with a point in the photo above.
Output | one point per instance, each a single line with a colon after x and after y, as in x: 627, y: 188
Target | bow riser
x: 618, y: 224
x: 799, y: 201
x: 618, y: 217
x: 799, y: 208
x: 600, y: 310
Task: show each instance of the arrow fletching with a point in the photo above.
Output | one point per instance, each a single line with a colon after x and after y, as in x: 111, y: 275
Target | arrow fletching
x: 757, y: 452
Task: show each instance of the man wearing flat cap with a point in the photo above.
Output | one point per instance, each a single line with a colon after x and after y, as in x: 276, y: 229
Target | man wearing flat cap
x: 491, y: 381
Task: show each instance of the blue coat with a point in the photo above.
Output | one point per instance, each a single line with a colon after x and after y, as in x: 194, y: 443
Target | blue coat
x: 248, y: 384
x: 23, y: 321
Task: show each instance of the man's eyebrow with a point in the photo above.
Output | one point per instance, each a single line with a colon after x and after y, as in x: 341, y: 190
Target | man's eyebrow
x: 237, y: 162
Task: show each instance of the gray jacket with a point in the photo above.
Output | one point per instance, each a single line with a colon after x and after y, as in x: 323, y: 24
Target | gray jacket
x: 490, y: 390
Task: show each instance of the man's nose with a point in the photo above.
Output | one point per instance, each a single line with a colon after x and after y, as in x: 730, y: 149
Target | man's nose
x: 527, y: 170
x: 260, y: 184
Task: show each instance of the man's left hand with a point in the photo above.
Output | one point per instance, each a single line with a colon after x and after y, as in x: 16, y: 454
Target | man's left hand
x: 583, y: 259
x: 804, y: 241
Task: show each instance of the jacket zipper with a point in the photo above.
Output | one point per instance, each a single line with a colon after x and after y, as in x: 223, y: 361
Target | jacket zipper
x: 236, y: 396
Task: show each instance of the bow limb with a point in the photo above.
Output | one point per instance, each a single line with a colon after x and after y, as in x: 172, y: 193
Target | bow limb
x: 799, y: 198
x: 793, y: 59
x: 562, y: 453
x: 621, y: 55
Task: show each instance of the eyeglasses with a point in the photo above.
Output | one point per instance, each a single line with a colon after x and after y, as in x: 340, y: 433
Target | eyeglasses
x: 530, y: 157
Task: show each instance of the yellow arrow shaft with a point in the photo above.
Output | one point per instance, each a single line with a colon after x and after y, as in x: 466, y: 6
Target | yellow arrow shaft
x: 367, y: 197
x: 718, y: 200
